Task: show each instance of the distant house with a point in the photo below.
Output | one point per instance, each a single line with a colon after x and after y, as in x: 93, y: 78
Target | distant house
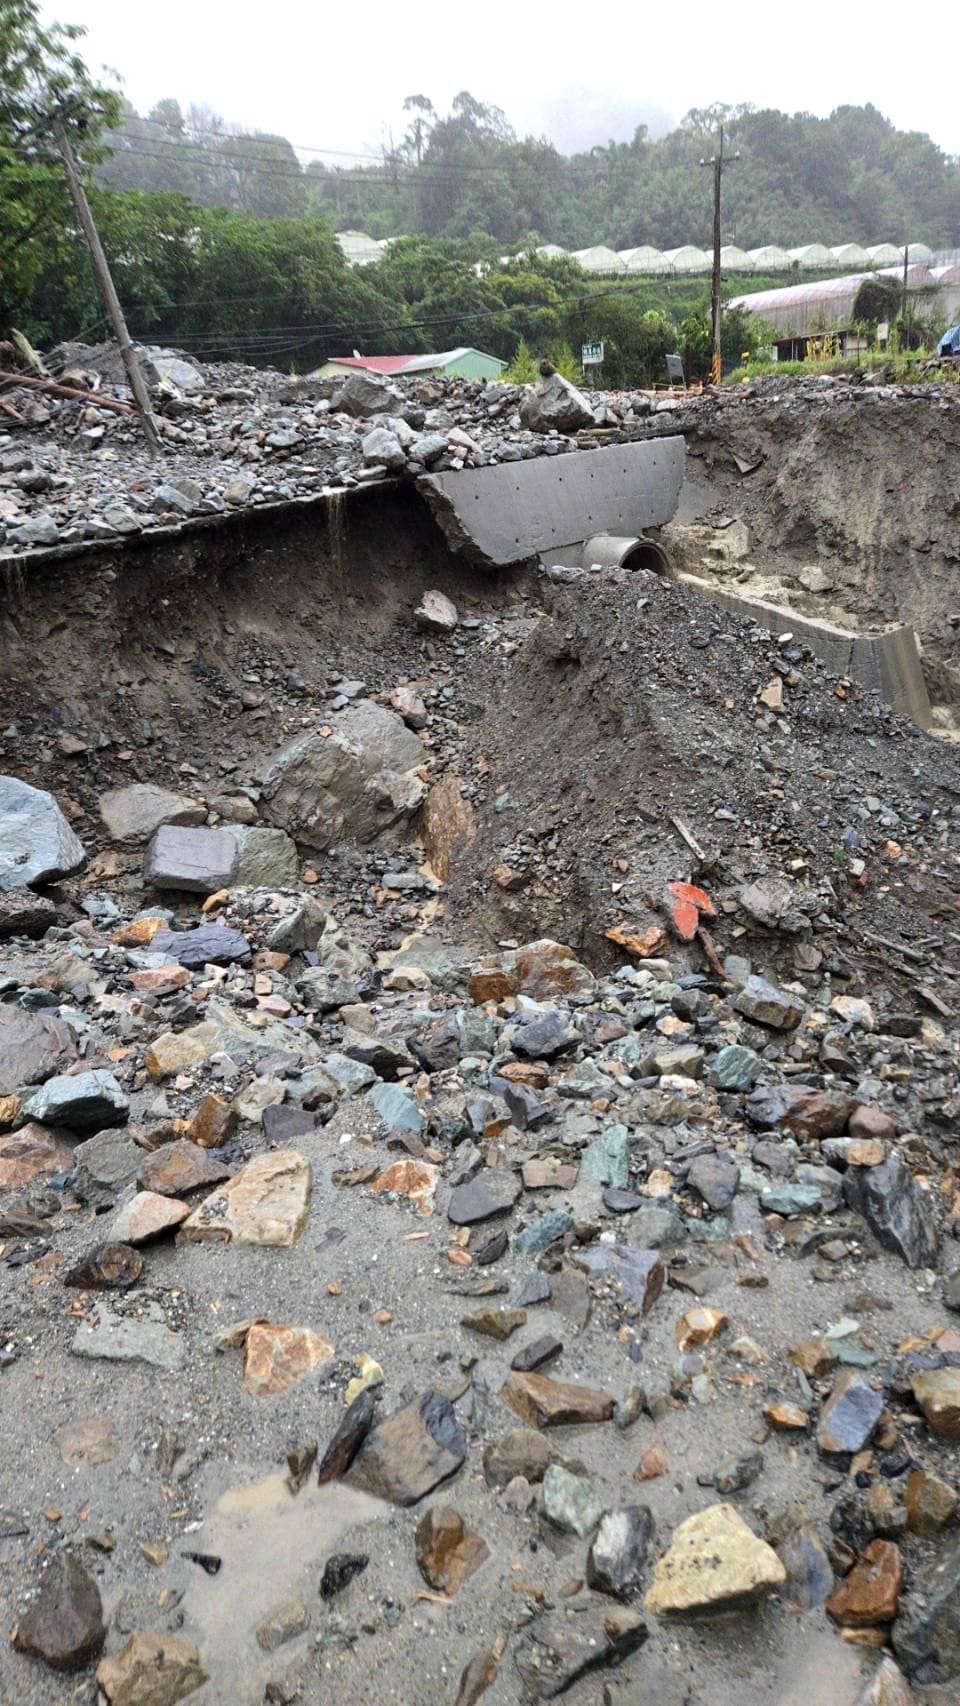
x: 451, y: 363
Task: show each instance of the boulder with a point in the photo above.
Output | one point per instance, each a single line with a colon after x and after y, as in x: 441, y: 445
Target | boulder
x: 132, y: 814
x: 81, y: 1101
x: 267, y: 858
x: 554, y: 405
x: 436, y: 613
x: 37, y: 844
x: 351, y: 784
x: 382, y: 448
x: 410, y: 1452
x: 364, y: 394
x: 898, y: 1211
x: 23, y: 913
x: 32, y: 1047
x: 200, y: 861
x: 265, y: 1203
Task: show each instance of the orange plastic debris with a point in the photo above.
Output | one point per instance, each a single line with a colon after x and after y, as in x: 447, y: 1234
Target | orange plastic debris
x: 687, y: 903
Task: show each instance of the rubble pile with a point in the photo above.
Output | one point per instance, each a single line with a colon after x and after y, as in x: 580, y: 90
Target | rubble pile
x: 75, y: 470
x: 479, y: 1191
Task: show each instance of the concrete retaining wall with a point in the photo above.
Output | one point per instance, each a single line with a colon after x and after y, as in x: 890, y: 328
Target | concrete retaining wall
x: 888, y: 662
x: 549, y: 506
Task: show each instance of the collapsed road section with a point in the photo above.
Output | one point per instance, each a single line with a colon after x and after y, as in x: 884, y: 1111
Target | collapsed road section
x: 478, y: 1090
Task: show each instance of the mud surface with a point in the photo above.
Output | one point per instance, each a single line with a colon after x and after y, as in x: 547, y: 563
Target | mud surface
x: 598, y: 738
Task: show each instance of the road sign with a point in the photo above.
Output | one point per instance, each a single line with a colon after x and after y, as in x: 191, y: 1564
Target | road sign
x: 591, y: 355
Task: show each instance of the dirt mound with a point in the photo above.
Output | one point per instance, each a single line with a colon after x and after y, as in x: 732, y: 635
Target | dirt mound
x: 854, y: 484
x: 633, y: 712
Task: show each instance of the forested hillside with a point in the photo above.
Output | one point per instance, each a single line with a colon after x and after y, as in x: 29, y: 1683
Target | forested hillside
x: 223, y: 243
x: 852, y: 177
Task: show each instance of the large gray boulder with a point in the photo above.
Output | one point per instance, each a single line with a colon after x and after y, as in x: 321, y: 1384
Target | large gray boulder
x: 132, y: 814
x: 555, y: 405
x: 364, y: 394
x: 201, y: 861
x: 349, y: 785
x: 268, y: 858
x: 37, y: 844
x: 33, y: 1046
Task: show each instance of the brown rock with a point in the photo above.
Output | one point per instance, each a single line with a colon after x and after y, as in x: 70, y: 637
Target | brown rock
x: 276, y: 1357
x: 491, y: 985
x: 146, y: 1216
x: 930, y: 1503
x: 937, y: 1391
x: 547, y: 1403
x: 524, y: 1453
x: 818, y: 1113
x: 107, y: 1267
x: 410, y: 1452
x: 533, y: 1073
x: 447, y: 1551
x: 652, y: 1465
x: 815, y: 1357
x: 64, y: 1625
x: 495, y: 1323
x: 447, y: 825
x: 87, y: 1442
x: 785, y: 1416
x: 348, y: 1438
x: 870, y: 1593
x: 479, y: 1674
x: 140, y: 933
x: 214, y: 1123
x: 414, y: 1179
x: 265, y: 1203
x: 176, y: 1168
x: 160, y: 980
x: 868, y: 1121
x: 9, y: 1111
x: 151, y: 1670
x: 697, y: 1327
x: 31, y: 1153
x: 549, y: 1173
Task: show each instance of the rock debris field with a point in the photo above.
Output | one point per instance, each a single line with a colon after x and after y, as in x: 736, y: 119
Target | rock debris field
x: 479, y: 1184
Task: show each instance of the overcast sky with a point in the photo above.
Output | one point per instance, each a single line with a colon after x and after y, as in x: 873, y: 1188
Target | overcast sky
x: 334, y: 77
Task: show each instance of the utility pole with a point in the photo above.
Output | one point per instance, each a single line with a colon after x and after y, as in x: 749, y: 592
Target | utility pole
x: 718, y: 162
x: 110, y: 297
x: 906, y: 285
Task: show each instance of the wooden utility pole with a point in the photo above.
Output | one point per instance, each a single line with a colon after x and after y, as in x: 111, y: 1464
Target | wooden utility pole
x: 110, y: 297
x: 906, y: 286
x: 718, y: 162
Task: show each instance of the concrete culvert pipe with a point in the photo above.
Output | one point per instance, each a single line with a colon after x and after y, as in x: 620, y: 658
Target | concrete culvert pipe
x: 614, y: 551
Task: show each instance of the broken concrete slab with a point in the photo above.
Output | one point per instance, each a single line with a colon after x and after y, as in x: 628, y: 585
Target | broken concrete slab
x: 508, y: 514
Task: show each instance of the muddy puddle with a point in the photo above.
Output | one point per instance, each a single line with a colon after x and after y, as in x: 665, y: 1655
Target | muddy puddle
x: 273, y: 1546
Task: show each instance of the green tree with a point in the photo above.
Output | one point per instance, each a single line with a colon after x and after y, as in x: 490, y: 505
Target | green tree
x: 42, y: 77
